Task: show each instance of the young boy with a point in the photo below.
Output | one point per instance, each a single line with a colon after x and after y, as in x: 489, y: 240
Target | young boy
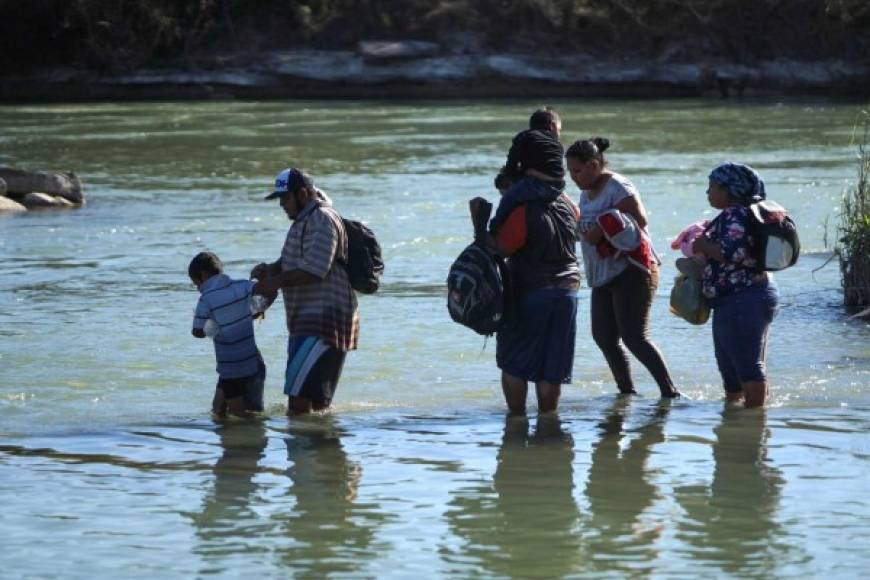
x: 226, y: 304
x: 534, y: 169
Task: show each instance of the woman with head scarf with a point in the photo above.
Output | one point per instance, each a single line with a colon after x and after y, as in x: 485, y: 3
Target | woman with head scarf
x: 743, y: 297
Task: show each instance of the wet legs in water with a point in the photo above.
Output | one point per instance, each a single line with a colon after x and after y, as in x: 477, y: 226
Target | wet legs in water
x: 620, y: 315
x: 754, y: 394
x: 302, y: 406
x: 516, y: 389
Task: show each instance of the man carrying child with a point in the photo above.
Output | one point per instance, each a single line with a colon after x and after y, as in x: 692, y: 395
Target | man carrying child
x: 535, y: 227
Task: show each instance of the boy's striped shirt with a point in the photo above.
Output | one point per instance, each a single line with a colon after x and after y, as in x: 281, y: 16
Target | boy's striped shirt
x: 228, y: 303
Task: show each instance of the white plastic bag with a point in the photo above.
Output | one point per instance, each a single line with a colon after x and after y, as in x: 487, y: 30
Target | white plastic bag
x: 211, y: 328
x: 259, y: 304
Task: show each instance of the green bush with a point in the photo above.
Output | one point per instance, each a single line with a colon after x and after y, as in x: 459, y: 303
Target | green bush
x: 854, y: 233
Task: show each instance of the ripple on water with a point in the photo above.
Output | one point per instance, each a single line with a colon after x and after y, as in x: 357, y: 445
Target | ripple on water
x: 103, y: 392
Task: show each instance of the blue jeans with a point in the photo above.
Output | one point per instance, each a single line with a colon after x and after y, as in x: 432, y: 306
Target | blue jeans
x: 740, y: 324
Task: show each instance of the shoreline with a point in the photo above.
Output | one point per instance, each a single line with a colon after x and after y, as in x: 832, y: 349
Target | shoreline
x: 336, y: 75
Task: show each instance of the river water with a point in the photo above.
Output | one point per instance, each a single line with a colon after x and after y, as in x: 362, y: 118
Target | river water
x: 110, y: 465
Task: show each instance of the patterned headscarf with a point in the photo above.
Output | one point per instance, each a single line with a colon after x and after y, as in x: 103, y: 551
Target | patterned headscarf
x: 741, y: 181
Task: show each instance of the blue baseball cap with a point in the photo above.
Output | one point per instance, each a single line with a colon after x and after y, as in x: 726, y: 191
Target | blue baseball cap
x: 288, y: 181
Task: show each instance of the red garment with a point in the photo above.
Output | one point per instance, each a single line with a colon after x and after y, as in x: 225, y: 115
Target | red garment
x: 612, y: 223
x: 512, y: 234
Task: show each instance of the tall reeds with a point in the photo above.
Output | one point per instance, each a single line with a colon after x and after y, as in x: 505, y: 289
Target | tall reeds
x: 854, y: 234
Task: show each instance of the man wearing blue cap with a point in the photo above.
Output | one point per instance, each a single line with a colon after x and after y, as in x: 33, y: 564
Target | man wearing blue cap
x: 321, y: 306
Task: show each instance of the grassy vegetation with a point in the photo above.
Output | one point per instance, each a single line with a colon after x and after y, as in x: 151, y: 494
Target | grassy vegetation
x: 125, y: 34
x: 854, y: 234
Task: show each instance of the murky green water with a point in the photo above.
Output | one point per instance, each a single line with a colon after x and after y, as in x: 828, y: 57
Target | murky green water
x: 110, y: 466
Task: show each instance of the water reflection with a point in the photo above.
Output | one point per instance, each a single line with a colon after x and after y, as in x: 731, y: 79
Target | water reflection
x: 528, y: 511
x: 732, y: 523
x: 227, y: 525
x: 330, y: 530
x: 619, y: 490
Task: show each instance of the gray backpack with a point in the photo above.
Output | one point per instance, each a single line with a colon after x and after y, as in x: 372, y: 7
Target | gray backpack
x: 775, y: 244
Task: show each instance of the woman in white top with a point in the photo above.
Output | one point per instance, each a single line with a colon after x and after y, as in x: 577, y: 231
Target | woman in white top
x: 623, y: 280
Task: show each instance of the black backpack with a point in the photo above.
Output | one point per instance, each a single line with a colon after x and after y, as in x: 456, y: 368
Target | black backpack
x: 364, y: 263
x: 775, y: 239
x: 477, y: 284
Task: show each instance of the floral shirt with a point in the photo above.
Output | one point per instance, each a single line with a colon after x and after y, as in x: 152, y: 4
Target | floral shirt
x: 738, y: 270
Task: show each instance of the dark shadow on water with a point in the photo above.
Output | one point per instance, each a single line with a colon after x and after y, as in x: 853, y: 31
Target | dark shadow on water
x: 315, y: 529
x: 526, y: 511
x: 619, y: 491
x: 327, y: 530
x: 227, y: 525
x: 732, y: 523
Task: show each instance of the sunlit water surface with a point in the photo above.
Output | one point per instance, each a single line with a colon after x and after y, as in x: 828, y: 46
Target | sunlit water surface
x: 111, y: 466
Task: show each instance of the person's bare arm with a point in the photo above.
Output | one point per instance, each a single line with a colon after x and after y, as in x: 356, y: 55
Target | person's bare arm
x: 634, y: 207
x: 708, y: 247
x: 594, y: 234
x: 264, y: 270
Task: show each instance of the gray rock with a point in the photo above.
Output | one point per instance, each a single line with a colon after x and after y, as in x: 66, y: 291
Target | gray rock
x: 21, y: 182
x: 9, y: 206
x: 40, y: 200
x: 2, y: 187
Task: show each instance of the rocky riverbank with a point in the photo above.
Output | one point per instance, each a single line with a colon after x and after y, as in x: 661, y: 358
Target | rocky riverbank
x: 398, y: 71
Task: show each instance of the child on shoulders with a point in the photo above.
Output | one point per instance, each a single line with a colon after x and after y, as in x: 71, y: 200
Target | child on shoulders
x: 534, y: 169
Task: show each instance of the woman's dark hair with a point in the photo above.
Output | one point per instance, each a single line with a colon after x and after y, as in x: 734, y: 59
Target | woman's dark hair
x: 204, y: 263
x: 588, y: 149
x: 543, y: 118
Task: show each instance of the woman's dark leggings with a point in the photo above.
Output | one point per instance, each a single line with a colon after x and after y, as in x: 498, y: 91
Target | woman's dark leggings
x: 620, y: 311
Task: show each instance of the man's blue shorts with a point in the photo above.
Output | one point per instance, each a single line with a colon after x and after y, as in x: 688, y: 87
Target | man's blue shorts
x: 313, y: 369
x: 539, y: 344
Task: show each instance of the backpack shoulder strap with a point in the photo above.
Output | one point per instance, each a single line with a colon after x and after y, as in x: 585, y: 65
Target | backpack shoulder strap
x: 340, y: 224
